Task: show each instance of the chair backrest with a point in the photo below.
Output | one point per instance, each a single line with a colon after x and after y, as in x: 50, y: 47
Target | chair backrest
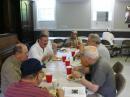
x: 84, y: 41
x: 119, y: 78
x: 105, y: 42
x: 58, y: 40
x: 118, y: 67
x: 126, y: 43
x: 120, y: 82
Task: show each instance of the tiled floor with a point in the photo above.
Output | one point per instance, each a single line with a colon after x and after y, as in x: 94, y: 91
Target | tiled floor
x: 126, y: 72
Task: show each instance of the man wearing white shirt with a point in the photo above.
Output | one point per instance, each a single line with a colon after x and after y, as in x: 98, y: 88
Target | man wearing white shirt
x: 108, y: 36
x: 42, y: 49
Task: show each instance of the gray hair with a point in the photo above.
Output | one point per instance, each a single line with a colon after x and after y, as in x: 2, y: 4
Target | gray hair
x: 75, y: 31
x: 18, y: 48
x: 44, y: 33
x: 91, y: 52
x: 95, y: 38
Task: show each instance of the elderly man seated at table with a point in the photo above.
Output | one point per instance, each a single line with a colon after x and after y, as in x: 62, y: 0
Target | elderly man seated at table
x: 51, y: 45
x: 102, y: 77
x: 42, y: 49
x: 94, y: 40
x: 74, y: 40
x: 30, y: 79
x: 11, y: 67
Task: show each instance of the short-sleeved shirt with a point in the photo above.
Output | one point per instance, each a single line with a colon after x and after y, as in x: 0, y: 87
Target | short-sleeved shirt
x: 37, y: 52
x: 10, y: 72
x: 25, y: 89
x: 103, y: 76
x: 103, y: 52
x: 73, y: 42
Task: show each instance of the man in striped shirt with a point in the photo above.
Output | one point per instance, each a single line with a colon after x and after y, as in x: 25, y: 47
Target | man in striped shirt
x: 27, y: 86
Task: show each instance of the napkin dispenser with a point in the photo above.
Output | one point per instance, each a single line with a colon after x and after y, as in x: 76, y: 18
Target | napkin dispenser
x: 74, y: 91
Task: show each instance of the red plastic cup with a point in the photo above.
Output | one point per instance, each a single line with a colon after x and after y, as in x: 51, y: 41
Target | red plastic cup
x: 49, y: 77
x: 63, y: 58
x: 67, y: 63
x: 68, y: 70
x: 73, y: 53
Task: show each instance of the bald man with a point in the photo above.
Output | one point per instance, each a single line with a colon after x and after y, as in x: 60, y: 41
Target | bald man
x: 10, y: 71
x: 102, y: 77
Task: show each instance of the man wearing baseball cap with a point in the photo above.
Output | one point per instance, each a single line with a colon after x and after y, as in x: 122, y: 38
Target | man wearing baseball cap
x: 30, y: 79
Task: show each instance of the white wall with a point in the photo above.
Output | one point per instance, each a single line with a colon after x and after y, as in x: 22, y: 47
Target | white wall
x: 119, y: 15
x: 73, y: 15
x: 78, y: 16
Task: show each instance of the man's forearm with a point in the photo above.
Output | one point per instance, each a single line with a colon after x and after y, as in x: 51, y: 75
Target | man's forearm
x: 89, y: 85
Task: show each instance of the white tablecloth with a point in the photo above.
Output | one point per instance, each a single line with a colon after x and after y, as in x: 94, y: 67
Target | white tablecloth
x: 58, y: 70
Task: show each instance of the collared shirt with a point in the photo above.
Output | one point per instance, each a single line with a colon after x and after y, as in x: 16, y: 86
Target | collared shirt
x: 103, y: 76
x: 103, y: 52
x: 10, y: 72
x: 25, y: 89
x: 37, y: 52
x: 108, y: 36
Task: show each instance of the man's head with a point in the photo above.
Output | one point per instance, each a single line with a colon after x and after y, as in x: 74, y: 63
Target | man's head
x: 74, y: 34
x: 93, y: 39
x: 21, y: 52
x: 43, y: 38
x: 31, y: 69
x: 89, y: 56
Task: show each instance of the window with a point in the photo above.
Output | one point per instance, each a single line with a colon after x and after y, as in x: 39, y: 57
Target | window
x: 45, y: 10
x: 104, y: 8
x: 102, y: 16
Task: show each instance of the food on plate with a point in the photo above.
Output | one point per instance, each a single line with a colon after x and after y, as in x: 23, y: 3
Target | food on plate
x: 70, y: 77
x: 56, y: 59
x: 63, y: 50
x: 53, y: 92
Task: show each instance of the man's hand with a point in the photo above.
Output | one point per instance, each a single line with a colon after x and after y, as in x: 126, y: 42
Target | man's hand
x: 76, y: 74
x: 81, y: 47
x: 60, y: 93
x: 46, y: 58
x: 54, y: 47
x: 85, y: 70
x: 77, y: 68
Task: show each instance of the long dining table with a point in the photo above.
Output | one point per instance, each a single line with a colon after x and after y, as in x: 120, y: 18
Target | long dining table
x: 58, y: 70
